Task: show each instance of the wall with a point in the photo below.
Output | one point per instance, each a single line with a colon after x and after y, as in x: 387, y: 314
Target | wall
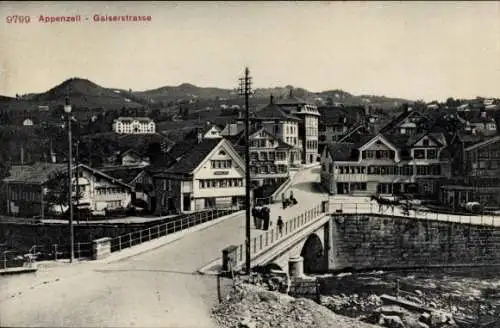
x: 371, y: 241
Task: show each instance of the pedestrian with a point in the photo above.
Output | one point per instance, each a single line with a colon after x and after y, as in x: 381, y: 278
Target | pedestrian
x: 254, y: 216
x: 280, y: 225
x: 266, y: 216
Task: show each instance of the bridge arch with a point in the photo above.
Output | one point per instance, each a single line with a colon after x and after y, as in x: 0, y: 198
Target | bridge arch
x: 313, y: 254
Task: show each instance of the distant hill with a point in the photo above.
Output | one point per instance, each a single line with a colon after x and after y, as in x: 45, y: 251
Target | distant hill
x: 186, y: 91
x: 85, y: 94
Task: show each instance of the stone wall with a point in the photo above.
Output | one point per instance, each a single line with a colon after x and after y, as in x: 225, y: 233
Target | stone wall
x: 371, y: 241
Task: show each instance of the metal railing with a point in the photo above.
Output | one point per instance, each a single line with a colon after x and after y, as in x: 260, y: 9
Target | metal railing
x: 272, y: 237
x: 137, y: 237
x: 54, y: 252
x: 340, y: 207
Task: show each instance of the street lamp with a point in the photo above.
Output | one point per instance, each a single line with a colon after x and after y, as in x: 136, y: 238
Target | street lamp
x: 67, y: 110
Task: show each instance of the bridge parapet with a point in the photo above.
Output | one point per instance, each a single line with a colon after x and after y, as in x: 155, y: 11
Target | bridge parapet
x: 269, y: 239
x: 340, y: 206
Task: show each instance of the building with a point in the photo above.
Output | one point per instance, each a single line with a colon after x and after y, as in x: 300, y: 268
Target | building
x: 274, y: 120
x: 308, y: 125
x: 134, y: 125
x: 270, y: 158
x: 387, y: 164
x: 141, y: 181
x: 479, y: 175
x: 336, y: 122
x: 133, y: 158
x: 204, y: 174
x: 28, y: 187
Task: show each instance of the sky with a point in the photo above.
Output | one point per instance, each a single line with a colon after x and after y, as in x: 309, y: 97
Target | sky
x: 414, y: 50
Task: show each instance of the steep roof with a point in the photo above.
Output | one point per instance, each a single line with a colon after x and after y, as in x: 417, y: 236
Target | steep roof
x: 124, y: 174
x: 34, y: 174
x: 341, y: 151
x: 273, y: 111
x: 193, y: 157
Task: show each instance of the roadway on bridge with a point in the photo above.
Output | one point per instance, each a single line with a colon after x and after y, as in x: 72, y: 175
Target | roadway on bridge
x: 159, y: 288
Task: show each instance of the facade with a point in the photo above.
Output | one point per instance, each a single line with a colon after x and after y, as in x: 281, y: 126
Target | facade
x: 27, y: 189
x: 308, y: 125
x: 141, y: 181
x: 270, y: 157
x: 386, y: 165
x: 134, y: 125
x: 133, y: 158
x: 480, y: 166
x: 207, y: 174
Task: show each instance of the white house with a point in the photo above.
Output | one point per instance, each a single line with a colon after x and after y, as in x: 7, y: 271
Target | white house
x: 134, y: 125
x: 386, y: 164
x: 27, y: 188
x: 207, y: 174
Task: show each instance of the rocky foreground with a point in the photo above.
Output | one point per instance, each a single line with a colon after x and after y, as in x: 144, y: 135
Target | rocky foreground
x: 250, y: 306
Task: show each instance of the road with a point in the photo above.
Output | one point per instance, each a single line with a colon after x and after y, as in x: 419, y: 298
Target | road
x: 159, y: 288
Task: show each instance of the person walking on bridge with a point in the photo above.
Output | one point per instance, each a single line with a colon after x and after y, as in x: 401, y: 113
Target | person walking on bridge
x: 280, y: 224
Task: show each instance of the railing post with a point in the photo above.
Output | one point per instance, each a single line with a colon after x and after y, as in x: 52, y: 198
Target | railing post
x: 55, y: 252
x: 254, y: 245
x: 260, y: 238
x: 120, y: 243
x: 158, y: 231
x: 149, y: 232
x: 5, y: 260
x: 267, y: 237
x: 130, y: 239
x: 140, y: 236
x: 78, y: 250
x: 272, y: 235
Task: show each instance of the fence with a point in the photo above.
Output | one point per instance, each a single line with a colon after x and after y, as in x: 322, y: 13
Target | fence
x: 305, y: 288
x: 16, y: 258
x: 373, y: 208
x: 157, y: 231
x: 266, y: 239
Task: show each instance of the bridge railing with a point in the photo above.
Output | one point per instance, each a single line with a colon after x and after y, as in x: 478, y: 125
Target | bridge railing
x: 367, y: 207
x: 269, y: 238
x: 157, y: 231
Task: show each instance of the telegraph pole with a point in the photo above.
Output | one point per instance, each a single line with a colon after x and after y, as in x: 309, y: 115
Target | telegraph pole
x: 245, y: 90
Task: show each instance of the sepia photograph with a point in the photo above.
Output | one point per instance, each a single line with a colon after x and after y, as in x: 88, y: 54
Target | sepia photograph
x: 250, y: 164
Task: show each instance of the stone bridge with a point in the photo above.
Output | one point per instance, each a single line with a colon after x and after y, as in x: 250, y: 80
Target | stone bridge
x: 327, y: 239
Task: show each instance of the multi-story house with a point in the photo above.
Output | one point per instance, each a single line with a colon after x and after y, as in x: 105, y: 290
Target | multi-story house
x: 204, y: 174
x: 336, y: 122
x: 308, y: 125
x: 134, y: 125
x: 479, y: 173
x: 386, y: 164
x: 270, y: 157
x: 409, y: 122
x: 28, y: 186
x: 275, y: 121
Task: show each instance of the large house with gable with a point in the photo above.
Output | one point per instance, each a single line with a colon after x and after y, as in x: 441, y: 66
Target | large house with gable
x: 28, y: 186
x: 387, y: 165
x: 200, y: 174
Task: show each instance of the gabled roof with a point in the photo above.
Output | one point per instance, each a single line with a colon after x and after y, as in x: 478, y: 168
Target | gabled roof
x: 124, y: 174
x: 341, y: 151
x: 483, y: 143
x: 273, y: 111
x: 40, y: 173
x: 400, y: 118
x: 192, y: 158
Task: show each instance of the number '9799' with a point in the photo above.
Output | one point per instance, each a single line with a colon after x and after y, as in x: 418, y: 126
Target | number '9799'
x: 18, y: 19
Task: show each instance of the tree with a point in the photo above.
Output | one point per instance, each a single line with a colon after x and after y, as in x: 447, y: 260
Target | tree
x: 57, y: 191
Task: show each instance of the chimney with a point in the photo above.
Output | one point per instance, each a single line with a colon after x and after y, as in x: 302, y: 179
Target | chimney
x: 291, y: 92
x: 271, y: 100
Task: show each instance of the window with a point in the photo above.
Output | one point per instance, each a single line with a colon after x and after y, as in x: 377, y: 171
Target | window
x: 425, y: 142
x: 222, y: 164
x: 368, y: 154
x: 419, y: 153
x: 431, y: 153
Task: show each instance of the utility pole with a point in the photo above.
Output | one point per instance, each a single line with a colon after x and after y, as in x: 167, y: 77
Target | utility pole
x: 67, y: 110
x: 245, y: 90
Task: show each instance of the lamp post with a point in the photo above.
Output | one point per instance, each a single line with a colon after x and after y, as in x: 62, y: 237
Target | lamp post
x: 67, y: 110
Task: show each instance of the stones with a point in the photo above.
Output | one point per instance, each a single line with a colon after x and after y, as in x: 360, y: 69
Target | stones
x: 391, y: 321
